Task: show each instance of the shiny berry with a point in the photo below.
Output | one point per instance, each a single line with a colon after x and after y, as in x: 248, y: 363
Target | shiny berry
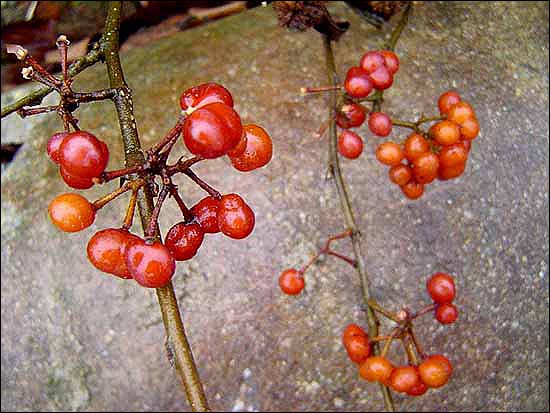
x: 150, y: 264
x: 435, y: 371
x: 451, y: 172
x: 404, y: 378
x: 418, y: 389
x: 82, y: 154
x: 258, y: 150
x: 53, y: 146
x: 71, y: 212
x: 206, y: 214
x: 107, y: 251
x: 469, y: 129
x: 358, y: 83
x: 202, y: 95
x: 350, y: 144
x: 400, y: 174
x: 391, y: 61
x: 460, y: 113
x: 241, y: 146
x: 441, y: 288
x: 291, y: 282
x: 415, y: 145
x: 453, y: 155
x: 350, y: 116
x: 413, y: 190
x: 389, y: 153
x: 183, y: 240
x: 380, y: 124
x: 235, y: 218
x: 376, y: 368
x: 352, y: 330
x: 445, y: 132
x: 446, y: 313
x: 212, y: 130
x: 74, y: 181
x: 381, y: 78
x: 358, y: 348
x: 372, y: 61
x: 447, y: 100
x: 425, y: 168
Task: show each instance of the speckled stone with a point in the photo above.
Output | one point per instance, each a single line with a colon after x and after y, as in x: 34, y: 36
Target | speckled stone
x: 74, y: 339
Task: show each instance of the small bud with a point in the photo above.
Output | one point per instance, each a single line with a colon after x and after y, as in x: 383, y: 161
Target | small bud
x: 62, y: 39
x: 19, y: 51
x: 402, y: 315
x: 27, y: 72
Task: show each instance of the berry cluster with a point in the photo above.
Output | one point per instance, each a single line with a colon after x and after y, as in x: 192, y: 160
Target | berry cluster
x: 211, y: 128
x: 440, y: 153
x: 415, y: 378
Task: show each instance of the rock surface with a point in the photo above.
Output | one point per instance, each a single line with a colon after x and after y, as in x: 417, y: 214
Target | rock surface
x: 74, y: 339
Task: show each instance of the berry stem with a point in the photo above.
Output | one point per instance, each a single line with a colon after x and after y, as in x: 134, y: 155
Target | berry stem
x: 130, y: 211
x: 110, y: 175
x: 419, y: 350
x: 211, y: 191
x: 425, y: 310
x: 182, y: 165
x: 350, y: 261
x: 152, y: 228
x: 307, y: 90
x: 63, y: 45
x: 93, y: 96
x: 24, y: 112
x: 378, y: 308
x: 172, y: 135
x: 186, y: 212
x: 130, y: 185
x: 409, y: 349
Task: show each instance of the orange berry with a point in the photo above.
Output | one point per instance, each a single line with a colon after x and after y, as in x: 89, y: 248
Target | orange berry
x: 413, y: 190
x: 404, y: 378
x: 435, y: 371
x: 461, y: 112
x: 447, y: 100
x: 376, y: 368
x: 71, y: 212
x: 445, y: 132
x: 390, y: 153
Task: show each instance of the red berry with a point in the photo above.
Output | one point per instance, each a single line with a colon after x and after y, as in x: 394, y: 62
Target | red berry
x: 381, y: 78
x: 425, y: 168
x: 107, y: 251
x: 389, y: 153
x: 150, y: 264
x: 202, y: 95
x: 241, y: 146
x: 258, y: 150
x: 350, y: 144
x: 450, y: 172
x: 400, y: 174
x: 391, y: 61
x: 291, y: 282
x: 418, y: 389
x: 351, y: 115
x: 53, y: 145
x: 404, y: 378
x: 82, y: 154
x: 453, y: 155
x: 441, y: 288
x: 435, y: 371
x: 469, y: 129
x: 71, y: 212
x: 460, y: 113
x: 372, y: 61
x: 445, y: 132
x: 446, y: 313
x: 358, y: 348
x: 376, y: 368
x: 352, y: 330
x: 206, y: 214
x: 447, y: 100
x: 415, y: 145
x: 358, y: 83
x: 380, y: 124
x: 212, y: 130
x: 74, y: 181
x: 183, y: 240
x: 235, y: 218
x: 413, y: 190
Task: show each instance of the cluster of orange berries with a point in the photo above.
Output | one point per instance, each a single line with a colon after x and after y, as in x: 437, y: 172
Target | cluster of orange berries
x: 441, y: 153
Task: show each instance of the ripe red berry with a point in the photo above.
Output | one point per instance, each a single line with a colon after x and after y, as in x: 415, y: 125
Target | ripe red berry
x: 71, y: 212
x: 376, y: 368
x: 358, y: 83
x: 358, y: 348
x: 389, y: 153
x: 235, y: 218
x: 450, y: 172
x: 441, y: 288
x: 74, y: 181
x: 391, y: 61
x: 150, y: 264
x: 258, y: 150
x: 446, y: 313
x: 83, y: 155
x: 183, y: 240
x: 415, y: 145
x: 206, y: 214
x: 381, y: 78
x: 352, y: 330
x: 460, y: 113
x: 447, y: 100
x: 380, y: 124
x: 291, y: 282
x: 212, y: 130
x: 453, y: 155
x: 469, y: 129
x: 418, y: 389
x: 202, y: 95
x: 107, y: 251
x: 350, y: 115
x: 426, y: 167
x: 445, y: 132
x: 372, y: 61
x: 435, y: 371
x: 239, y: 149
x: 404, y: 378
x: 53, y: 145
x: 413, y: 190
x: 350, y: 144
x: 400, y: 174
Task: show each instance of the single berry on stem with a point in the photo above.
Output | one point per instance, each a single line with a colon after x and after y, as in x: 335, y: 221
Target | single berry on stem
x: 435, y: 370
x: 82, y: 154
x: 453, y: 155
x: 291, y: 281
x: 425, y: 168
x: 450, y: 172
x: 351, y: 115
x: 418, y: 389
x: 202, y: 95
x: 206, y: 214
x: 53, y: 146
x: 107, y: 251
x: 404, y: 378
x: 71, y: 212
x: 380, y: 124
x: 352, y: 330
x: 413, y: 190
x: 415, y: 145
x: 150, y: 264
x: 358, y: 348
x: 376, y: 368
x: 358, y: 83
x: 183, y: 240
x: 350, y: 144
x: 441, y: 288
x: 381, y: 78
x: 390, y: 153
x: 469, y: 129
x: 445, y: 132
x: 400, y: 174
x: 391, y: 61
x: 447, y: 100
x: 371, y: 61
x: 460, y: 113
x: 235, y: 218
x: 258, y: 150
x: 446, y: 313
